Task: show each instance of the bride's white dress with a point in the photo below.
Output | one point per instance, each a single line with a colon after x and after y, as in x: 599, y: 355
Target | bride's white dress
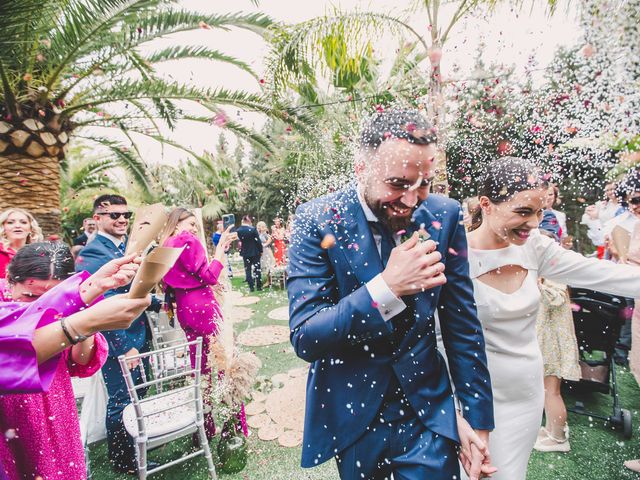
x: 513, y: 355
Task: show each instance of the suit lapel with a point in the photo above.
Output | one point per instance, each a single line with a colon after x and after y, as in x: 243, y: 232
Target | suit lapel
x: 354, y: 237
x: 109, y: 245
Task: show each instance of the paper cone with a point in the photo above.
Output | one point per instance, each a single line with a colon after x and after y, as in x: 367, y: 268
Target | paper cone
x: 621, y: 239
x: 154, y: 266
x: 148, y: 224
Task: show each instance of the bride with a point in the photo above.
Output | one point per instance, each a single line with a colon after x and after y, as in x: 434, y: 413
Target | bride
x: 507, y: 256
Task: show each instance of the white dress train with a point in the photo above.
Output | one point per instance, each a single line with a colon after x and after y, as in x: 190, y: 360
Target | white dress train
x: 509, y: 326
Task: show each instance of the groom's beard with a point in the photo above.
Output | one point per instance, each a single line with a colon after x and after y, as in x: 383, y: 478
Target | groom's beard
x: 394, y: 223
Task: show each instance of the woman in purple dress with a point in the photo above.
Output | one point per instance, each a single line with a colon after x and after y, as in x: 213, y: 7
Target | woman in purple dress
x: 192, y: 277
x: 42, y: 429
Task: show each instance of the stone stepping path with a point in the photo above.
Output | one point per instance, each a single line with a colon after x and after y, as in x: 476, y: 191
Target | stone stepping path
x: 240, y: 314
x: 238, y: 301
x: 265, y: 335
x: 280, y: 413
x: 280, y: 313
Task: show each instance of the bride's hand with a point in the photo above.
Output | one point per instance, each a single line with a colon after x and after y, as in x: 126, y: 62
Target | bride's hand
x: 474, y: 451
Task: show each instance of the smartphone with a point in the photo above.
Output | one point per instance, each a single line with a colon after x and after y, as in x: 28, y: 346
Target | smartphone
x: 228, y: 219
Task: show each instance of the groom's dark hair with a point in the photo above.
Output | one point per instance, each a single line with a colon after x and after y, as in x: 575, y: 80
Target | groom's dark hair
x: 108, y: 199
x: 408, y: 124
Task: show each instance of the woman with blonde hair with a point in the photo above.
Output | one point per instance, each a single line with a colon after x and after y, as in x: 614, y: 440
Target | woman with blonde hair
x: 18, y: 228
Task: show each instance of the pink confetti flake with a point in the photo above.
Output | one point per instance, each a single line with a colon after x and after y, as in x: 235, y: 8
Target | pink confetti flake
x: 436, y: 224
x: 401, y: 232
x: 453, y: 251
x: 374, y: 304
x: 626, y: 313
x: 219, y: 120
x: 575, y: 307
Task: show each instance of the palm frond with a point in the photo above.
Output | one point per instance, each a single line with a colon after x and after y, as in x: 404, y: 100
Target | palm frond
x: 88, y: 174
x: 136, y: 90
x: 165, y: 22
x: 85, y: 20
x: 126, y: 159
x: 181, y: 52
x: 313, y: 43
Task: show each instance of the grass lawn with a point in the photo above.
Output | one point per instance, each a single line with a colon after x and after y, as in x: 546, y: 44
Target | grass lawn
x: 597, y: 452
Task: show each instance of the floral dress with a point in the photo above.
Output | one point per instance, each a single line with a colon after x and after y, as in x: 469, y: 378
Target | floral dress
x: 556, y: 333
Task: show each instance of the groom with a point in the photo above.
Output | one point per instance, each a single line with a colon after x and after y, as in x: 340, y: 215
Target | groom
x: 362, y: 306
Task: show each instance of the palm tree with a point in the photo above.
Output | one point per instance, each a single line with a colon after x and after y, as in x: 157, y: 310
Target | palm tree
x: 70, y: 64
x: 338, y: 44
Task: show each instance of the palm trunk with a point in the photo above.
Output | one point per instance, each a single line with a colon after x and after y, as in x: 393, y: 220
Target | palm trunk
x: 32, y: 184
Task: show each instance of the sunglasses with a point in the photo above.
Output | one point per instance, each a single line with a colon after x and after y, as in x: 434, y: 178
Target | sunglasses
x: 634, y: 201
x: 117, y: 215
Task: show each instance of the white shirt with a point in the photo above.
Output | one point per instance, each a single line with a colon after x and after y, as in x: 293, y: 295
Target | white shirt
x: 115, y: 240
x: 387, y: 303
x: 606, y: 212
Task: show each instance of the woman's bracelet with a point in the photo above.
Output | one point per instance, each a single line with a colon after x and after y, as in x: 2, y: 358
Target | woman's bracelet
x: 66, y: 332
x: 76, y: 338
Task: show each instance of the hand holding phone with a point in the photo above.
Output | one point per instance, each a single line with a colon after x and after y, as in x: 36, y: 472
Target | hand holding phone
x: 228, y: 220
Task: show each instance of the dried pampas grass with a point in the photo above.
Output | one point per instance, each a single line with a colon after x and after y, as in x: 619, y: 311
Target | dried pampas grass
x: 239, y: 378
x: 237, y: 372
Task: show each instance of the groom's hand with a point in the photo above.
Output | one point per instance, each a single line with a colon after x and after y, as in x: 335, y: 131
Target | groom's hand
x: 474, y: 451
x: 414, y: 267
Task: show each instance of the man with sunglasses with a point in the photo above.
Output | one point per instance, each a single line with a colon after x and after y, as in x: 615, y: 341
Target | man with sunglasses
x: 111, y: 214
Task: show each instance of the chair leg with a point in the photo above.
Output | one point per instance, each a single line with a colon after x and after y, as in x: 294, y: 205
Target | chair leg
x: 141, y: 456
x: 87, y: 462
x: 206, y: 449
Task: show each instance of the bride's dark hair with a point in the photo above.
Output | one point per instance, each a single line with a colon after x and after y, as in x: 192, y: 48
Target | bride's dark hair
x: 502, y: 179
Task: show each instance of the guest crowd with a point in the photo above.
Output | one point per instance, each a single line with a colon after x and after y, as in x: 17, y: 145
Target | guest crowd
x: 64, y: 312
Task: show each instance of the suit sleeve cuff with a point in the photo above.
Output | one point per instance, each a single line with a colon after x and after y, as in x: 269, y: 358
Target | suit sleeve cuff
x: 384, y: 299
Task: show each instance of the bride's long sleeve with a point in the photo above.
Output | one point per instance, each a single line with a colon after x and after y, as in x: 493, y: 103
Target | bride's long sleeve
x: 573, y: 269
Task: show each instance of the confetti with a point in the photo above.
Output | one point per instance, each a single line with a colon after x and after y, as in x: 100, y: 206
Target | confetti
x: 329, y: 241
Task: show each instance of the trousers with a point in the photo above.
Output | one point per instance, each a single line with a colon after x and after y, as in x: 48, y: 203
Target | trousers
x: 403, y: 447
x: 253, y: 272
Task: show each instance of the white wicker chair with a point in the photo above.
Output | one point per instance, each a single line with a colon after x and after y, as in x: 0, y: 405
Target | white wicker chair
x: 170, y: 414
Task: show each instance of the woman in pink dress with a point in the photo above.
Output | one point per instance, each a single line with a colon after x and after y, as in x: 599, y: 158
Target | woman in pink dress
x: 17, y: 229
x: 279, y: 233
x: 42, y: 429
x: 192, y: 277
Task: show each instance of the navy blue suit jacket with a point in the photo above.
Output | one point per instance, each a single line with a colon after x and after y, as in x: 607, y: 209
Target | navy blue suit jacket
x: 98, y: 252
x: 251, y: 244
x: 336, y: 326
